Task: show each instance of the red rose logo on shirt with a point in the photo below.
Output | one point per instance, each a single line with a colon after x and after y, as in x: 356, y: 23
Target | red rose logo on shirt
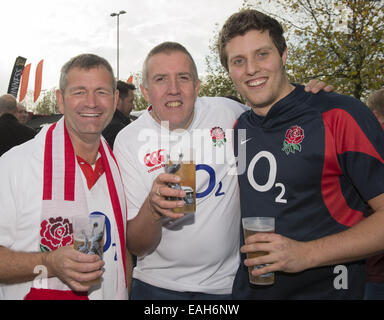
x: 55, y: 233
x: 293, y: 137
x: 218, y: 136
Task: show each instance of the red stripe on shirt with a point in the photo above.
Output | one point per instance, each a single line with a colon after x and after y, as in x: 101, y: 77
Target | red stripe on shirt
x: 342, y: 134
x: 115, y: 204
x: 118, y: 168
x: 348, y: 135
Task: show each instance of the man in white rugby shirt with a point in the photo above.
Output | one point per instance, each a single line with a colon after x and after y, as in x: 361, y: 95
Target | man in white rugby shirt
x: 66, y: 170
x: 196, y: 255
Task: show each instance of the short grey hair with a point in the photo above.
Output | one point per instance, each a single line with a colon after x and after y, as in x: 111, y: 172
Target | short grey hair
x: 168, y: 47
x: 85, y: 61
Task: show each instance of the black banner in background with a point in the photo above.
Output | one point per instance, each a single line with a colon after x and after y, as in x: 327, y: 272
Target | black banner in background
x: 17, y: 71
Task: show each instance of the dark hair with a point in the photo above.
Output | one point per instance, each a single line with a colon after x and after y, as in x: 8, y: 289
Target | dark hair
x: 85, y: 61
x: 168, y: 47
x: 243, y: 21
x: 124, y: 88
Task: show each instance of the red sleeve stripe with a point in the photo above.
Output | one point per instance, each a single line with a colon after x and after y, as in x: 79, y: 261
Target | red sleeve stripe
x: 348, y: 135
x: 335, y: 201
x: 342, y: 134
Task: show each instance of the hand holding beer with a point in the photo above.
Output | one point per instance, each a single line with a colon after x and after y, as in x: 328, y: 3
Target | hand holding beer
x: 279, y: 253
x: 74, y: 268
x: 158, y: 198
x: 174, y: 192
x: 88, y: 234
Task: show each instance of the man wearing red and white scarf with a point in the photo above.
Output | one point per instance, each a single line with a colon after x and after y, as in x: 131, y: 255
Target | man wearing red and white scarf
x: 66, y: 170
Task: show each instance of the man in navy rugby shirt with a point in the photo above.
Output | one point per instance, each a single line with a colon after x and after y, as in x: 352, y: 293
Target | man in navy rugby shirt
x: 312, y: 161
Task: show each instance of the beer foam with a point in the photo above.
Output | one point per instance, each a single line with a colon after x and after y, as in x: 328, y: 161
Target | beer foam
x: 258, y: 226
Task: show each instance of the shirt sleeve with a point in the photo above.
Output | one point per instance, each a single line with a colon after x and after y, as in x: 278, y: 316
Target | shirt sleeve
x: 359, y: 143
x: 8, y: 209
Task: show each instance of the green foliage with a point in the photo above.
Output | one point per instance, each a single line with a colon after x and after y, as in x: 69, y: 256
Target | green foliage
x: 139, y: 101
x: 216, y: 85
x: 47, y: 103
x: 216, y: 82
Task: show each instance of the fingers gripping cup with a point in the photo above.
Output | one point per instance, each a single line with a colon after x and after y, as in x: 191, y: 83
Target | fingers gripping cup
x: 183, y: 166
x: 252, y: 225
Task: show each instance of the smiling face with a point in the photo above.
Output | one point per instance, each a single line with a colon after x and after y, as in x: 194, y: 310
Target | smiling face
x: 171, y: 88
x: 257, y: 70
x: 88, y: 102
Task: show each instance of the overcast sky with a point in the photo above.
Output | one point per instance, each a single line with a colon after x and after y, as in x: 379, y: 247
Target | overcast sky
x: 56, y: 30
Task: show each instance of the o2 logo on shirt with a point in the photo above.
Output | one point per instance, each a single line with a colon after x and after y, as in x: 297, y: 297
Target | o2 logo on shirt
x: 212, y: 182
x: 271, y: 182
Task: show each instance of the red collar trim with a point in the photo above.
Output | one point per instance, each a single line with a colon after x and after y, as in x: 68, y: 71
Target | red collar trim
x: 91, y: 175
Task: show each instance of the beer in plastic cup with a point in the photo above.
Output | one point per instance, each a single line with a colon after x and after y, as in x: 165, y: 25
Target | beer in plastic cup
x: 252, y: 225
x: 184, y: 167
x: 88, y: 232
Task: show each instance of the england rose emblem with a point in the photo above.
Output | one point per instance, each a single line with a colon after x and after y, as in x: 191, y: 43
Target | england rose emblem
x: 293, y: 138
x: 55, y: 233
x: 218, y: 136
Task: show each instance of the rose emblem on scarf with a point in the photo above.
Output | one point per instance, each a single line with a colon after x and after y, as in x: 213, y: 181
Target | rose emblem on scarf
x: 293, y: 138
x: 218, y: 136
x: 55, y: 233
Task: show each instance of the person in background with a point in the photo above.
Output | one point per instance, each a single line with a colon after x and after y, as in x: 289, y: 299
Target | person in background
x: 12, y: 132
x: 374, y: 287
x: 375, y: 102
x: 21, y: 114
x: 312, y: 162
x: 121, y: 116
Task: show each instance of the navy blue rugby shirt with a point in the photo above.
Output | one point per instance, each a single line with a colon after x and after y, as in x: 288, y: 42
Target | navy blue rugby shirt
x: 312, y: 162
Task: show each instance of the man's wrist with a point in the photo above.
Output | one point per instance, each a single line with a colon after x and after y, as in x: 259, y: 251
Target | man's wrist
x: 46, y: 261
x: 156, y: 215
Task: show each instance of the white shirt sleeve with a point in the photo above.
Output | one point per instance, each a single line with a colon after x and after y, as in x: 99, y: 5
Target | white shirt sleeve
x: 8, y: 209
x: 134, y: 187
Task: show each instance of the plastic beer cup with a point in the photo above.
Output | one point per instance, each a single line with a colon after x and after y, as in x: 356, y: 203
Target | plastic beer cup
x: 252, y: 225
x: 183, y: 165
x: 88, y: 236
